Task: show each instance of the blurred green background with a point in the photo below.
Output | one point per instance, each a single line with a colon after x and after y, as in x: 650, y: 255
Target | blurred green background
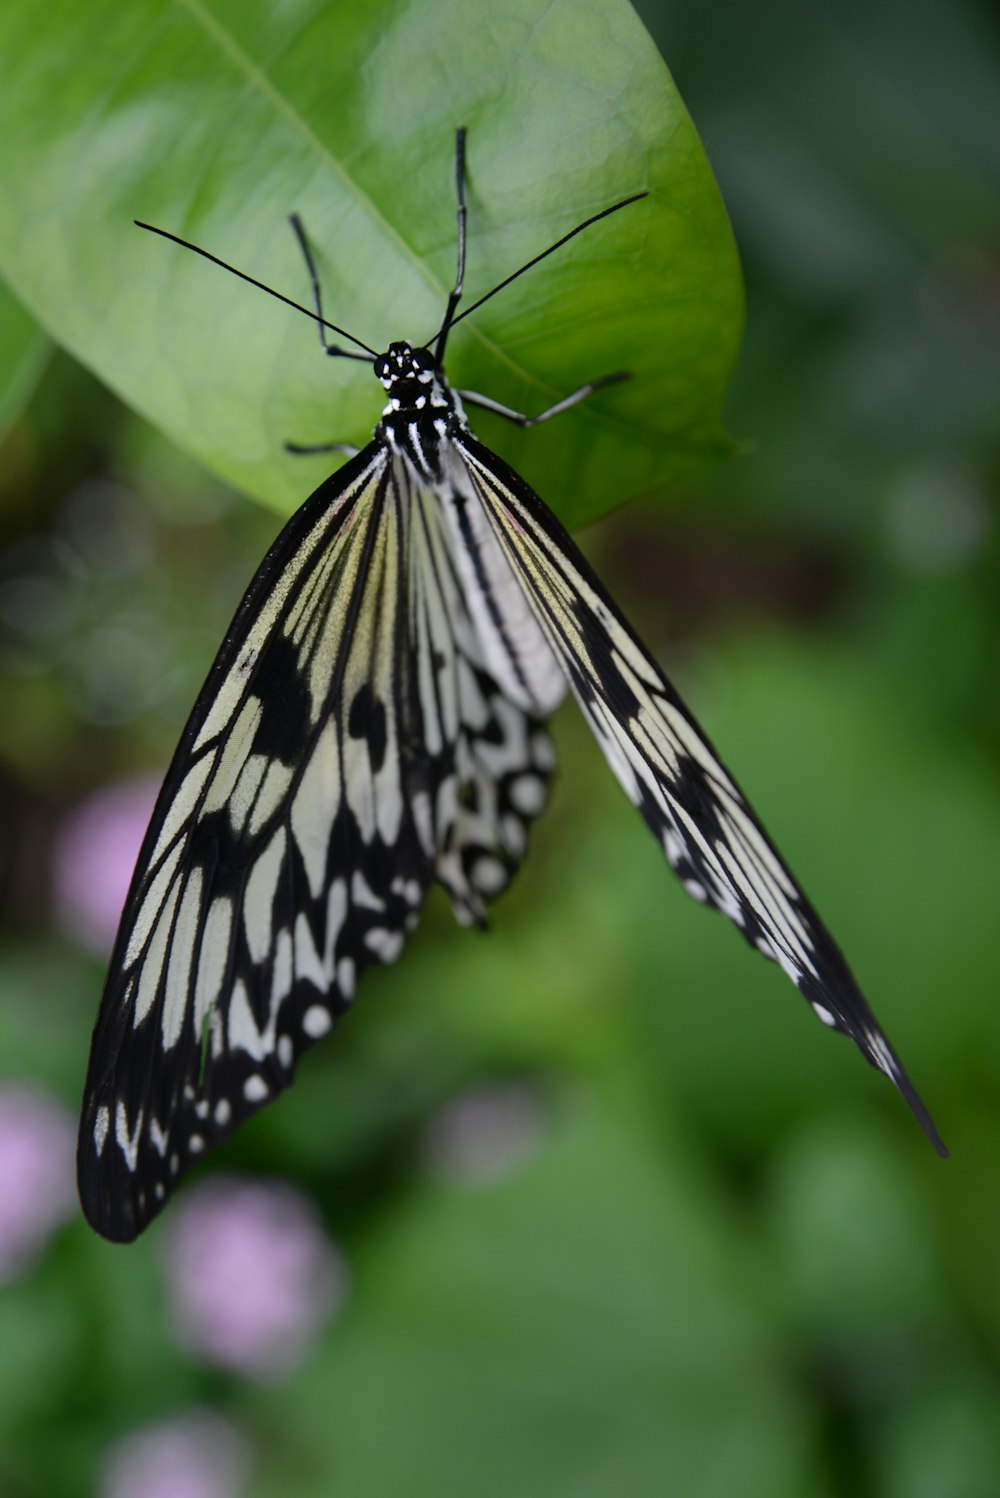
x: 601, y: 1208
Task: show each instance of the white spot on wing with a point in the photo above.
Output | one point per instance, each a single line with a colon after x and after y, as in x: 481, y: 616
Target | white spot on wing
x: 386, y: 945
x: 363, y: 894
x: 420, y: 809
x: 281, y: 973
x: 358, y: 785
x: 315, y: 807
x: 316, y: 1021
x: 183, y: 804
x: 543, y: 751
x: 128, y: 1143
x: 528, y: 794
x: 489, y: 875
x: 151, y: 905
x: 271, y: 794
x: 213, y: 958
x: 258, y: 900
x: 307, y: 960
x: 336, y: 914
x: 407, y: 889
x: 153, y: 962
x: 245, y: 790
x: 178, y: 989
x: 244, y: 1034
x: 513, y: 835
x: 233, y: 756
x: 255, y: 1089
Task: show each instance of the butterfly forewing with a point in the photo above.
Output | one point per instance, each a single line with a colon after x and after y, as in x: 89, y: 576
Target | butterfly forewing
x: 668, y: 768
x: 349, y: 747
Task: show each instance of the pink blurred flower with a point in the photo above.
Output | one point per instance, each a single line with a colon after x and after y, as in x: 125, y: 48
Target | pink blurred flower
x: 486, y: 1133
x: 252, y: 1274
x: 95, y: 853
x: 196, y: 1455
x: 37, y: 1190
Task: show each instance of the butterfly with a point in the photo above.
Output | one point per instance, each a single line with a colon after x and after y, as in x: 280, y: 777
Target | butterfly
x: 375, y: 723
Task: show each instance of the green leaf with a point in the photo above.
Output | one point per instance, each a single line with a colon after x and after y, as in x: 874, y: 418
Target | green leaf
x: 214, y: 120
x: 23, y: 350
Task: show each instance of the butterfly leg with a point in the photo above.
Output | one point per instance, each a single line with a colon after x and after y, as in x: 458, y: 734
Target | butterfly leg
x: 486, y: 404
x: 455, y: 294
x: 300, y: 450
x: 328, y: 348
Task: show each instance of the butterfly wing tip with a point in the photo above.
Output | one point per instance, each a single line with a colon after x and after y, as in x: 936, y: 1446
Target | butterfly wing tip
x: 880, y: 1054
x: 113, y: 1227
x: 927, y: 1125
x: 920, y: 1113
x: 114, y: 1214
x: 943, y: 1152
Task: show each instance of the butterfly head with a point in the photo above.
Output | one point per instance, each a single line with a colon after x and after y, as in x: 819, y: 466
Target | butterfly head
x: 411, y: 378
x: 403, y: 362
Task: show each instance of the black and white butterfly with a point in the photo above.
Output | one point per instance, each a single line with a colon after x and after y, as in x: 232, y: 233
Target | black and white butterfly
x: 375, y: 723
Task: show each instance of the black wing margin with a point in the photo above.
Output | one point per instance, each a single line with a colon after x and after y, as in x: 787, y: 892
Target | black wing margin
x: 668, y: 768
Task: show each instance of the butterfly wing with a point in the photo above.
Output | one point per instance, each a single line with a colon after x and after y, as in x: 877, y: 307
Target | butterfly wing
x: 352, y: 744
x: 263, y: 884
x: 668, y: 768
x: 485, y: 681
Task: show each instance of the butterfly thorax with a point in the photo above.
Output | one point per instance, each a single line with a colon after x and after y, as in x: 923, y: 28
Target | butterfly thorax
x: 422, y: 410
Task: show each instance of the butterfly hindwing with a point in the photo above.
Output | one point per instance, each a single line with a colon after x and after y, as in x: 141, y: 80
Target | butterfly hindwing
x: 485, y: 681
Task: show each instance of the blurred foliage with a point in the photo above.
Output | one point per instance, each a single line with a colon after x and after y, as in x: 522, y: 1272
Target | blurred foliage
x: 728, y: 1261
x: 23, y: 348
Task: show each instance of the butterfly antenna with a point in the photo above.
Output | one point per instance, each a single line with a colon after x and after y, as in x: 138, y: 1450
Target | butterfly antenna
x: 368, y: 354
x: 441, y: 337
x: 451, y: 320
